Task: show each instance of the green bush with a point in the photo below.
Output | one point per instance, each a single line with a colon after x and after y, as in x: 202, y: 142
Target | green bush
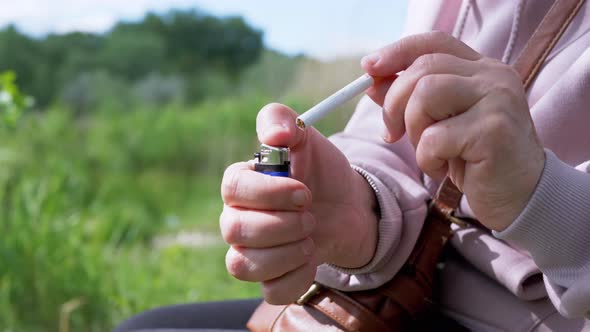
x: 82, y: 199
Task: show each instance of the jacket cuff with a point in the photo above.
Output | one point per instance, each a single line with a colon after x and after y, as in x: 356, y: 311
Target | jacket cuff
x: 553, y: 227
x: 389, y: 232
x: 393, y: 247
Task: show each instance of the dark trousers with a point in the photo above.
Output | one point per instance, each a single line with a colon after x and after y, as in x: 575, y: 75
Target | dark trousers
x: 231, y: 316
x: 207, y: 316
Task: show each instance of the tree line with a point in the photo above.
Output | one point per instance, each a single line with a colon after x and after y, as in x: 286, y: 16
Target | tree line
x: 180, y: 55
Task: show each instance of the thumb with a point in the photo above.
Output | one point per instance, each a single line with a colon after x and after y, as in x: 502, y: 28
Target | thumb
x: 275, y: 125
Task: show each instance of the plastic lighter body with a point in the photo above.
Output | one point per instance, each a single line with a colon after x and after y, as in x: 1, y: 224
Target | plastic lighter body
x: 272, y: 160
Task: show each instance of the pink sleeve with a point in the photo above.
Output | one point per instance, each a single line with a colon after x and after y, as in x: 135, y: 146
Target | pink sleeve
x: 554, y: 228
x: 392, y: 172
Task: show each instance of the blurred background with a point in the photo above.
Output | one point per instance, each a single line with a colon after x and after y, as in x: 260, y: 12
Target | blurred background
x: 117, y: 120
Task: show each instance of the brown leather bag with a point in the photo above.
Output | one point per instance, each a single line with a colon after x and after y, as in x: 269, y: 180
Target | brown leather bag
x: 390, y: 307
x: 396, y: 305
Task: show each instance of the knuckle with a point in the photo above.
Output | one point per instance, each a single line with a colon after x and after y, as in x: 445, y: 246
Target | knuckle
x: 497, y: 128
x: 503, y: 68
x: 429, y: 137
x: 423, y: 157
x: 513, y: 74
x: 426, y: 84
x: 422, y: 160
x: 230, y: 184
x: 231, y: 227
x: 427, y: 150
x: 425, y: 62
x: 505, y: 78
x: 236, y: 264
x: 504, y: 91
x: 412, y: 117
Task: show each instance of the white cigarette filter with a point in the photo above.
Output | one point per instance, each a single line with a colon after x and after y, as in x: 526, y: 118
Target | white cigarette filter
x: 334, y: 101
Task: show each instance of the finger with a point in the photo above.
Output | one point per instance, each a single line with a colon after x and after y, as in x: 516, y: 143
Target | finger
x: 253, y: 264
x: 438, y: 97
x: 396, y: 98
x: 392, y: 127
x: 445, y: 141
x: 379, y: 89
x: 398, y: 56
x: 289, y: 287
x: 243, y: 187
x: 263, y: 229
x: 275, y: 125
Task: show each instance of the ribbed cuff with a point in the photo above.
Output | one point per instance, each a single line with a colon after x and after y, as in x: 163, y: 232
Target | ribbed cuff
x: 389, y: 232
x: 555, y: 225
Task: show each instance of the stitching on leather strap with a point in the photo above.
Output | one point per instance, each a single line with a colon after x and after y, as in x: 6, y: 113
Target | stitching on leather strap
x: 552, y: 43
x: 276, y: 319
x: 521, y: 64
x: 344, y: 301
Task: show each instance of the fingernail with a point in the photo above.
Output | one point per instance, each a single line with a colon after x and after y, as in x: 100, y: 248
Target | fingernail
x: 371, y: 59
x: 308, y: 222
x: 299, y: 197
x: 307, y: 246
x: 273, y: 128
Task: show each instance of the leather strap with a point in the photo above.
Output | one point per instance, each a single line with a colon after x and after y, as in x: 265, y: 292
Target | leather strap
x: 348, y: 313
x: 448, y: 197
x: 545, y: 37
x: 528, y: 64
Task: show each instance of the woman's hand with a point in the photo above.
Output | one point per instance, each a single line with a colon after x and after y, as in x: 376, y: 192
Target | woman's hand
x: 466, y: 115
x: 280, y: 229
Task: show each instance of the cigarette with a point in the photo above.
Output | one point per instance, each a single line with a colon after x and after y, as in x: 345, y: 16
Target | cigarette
x: 334, y: 101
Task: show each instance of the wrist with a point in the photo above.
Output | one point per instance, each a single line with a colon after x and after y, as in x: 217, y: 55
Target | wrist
x: 519, y: 198
x: 357, y: 229
x: 368, y: 221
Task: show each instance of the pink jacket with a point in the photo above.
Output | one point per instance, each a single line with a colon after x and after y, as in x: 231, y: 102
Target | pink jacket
x: 535, y: 275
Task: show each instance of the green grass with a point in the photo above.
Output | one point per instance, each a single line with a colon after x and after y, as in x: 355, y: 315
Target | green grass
x: 82, y: 200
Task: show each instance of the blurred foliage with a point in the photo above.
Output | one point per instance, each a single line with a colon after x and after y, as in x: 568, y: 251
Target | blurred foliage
x: 83, y: 200
x: 184, y: 44
x: 129, y: 142
x: 79, y: 198
x: 12, y: 101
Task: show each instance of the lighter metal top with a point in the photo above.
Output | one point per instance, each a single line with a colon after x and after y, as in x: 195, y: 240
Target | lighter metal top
x: 272, y: 155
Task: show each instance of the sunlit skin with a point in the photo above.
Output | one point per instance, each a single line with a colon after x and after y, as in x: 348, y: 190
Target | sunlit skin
x: 467, y: 116
x: 280, y: 229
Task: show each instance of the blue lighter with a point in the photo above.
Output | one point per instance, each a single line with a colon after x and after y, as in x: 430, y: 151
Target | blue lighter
x: 272, y: 160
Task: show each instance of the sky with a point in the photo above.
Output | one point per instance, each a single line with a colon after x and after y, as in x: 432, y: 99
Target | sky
x: 324, y: 29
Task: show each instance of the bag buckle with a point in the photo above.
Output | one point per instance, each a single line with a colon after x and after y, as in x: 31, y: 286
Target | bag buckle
x: 448, y: 214
x: 457, y: 221
x: 313, y: 290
